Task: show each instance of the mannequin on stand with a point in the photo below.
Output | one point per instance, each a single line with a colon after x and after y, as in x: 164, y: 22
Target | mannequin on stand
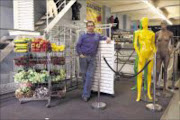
x: 76, y: 11
x: 145, y: 53
x: 136, y: 62
x: 163, y: 37
x: 116, y: 20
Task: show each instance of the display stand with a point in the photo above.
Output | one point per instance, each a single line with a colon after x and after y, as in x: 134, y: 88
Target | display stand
x: 173, y: 87
x: 98, y: 104
x: 50, y: 61
x: 124, y: 53
x: 153, y: 106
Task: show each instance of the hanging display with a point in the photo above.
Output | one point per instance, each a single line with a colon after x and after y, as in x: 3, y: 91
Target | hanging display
x: 94, y: 13
x: 76, y: 11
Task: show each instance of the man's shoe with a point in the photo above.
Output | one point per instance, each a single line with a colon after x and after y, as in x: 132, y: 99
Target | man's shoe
x: 85, y: 99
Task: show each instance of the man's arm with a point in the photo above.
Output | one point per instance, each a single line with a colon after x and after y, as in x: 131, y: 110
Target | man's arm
x: 101, y: 37
x: 136, y: 43
x: 78, y: 45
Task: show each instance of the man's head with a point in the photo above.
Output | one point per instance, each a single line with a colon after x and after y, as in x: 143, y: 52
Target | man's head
x: 163, y: 24
x: 90, y: 25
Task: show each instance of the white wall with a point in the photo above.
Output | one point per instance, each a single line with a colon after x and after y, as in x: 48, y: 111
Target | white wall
x: 106, y: 14
x: 39, y: 9
x: 120, y: 21
x: 127, y: 23
x: 6, y: 16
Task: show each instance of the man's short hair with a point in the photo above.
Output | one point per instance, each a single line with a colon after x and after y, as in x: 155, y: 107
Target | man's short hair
x: 89, y: 22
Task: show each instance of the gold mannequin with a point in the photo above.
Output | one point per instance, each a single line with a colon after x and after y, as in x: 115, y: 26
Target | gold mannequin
x: 145, y: 53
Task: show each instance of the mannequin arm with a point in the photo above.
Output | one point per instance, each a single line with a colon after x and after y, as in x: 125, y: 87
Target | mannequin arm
x: 136, y: 43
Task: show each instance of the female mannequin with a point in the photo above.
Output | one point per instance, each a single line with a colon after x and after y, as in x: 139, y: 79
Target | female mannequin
x: 163, y: 38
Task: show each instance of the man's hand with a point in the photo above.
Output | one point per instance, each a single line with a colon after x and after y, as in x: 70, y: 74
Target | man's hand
x: 82, y: 56
x: 108, y: 40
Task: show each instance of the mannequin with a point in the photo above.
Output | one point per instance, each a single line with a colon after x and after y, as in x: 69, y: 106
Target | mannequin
x: 76, y: 11
x: 136, y: 62
x: 163, y: 37
x: 116, y: 20
x: 145, y: 53
x: 52, y: 8
x: 110, y: 20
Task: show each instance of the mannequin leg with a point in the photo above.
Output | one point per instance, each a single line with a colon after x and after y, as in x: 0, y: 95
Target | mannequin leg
x: 145, y: 78
x: 158, y: 68
x: 50, y: 11
x: 166, y: 63
x: 139, y: 80
x: 135, y: 72
x: 150, y: 67
x: 55, y: 11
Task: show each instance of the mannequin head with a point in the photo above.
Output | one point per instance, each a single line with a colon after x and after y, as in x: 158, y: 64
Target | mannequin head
x: 144, y: 22
x: 163, y: 25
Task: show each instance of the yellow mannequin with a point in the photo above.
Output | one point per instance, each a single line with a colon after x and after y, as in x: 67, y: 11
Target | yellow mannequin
x: 145, y: 53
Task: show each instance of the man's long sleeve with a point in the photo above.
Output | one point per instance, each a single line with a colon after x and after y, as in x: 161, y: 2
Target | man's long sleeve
x: 78, y: 46
x: 101, y: 37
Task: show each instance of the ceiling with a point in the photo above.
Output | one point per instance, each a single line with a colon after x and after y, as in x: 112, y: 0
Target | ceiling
x: 137, y: 9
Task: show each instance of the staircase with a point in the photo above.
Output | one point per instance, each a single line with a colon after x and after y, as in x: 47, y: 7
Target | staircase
x: 46, y: 23
x: 62, y: 7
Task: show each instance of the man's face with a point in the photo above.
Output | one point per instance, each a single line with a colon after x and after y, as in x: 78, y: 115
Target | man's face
x: 90, y: 27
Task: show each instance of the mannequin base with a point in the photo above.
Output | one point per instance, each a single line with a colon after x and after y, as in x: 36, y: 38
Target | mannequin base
x: 98, y: 105
x: 154, y: 107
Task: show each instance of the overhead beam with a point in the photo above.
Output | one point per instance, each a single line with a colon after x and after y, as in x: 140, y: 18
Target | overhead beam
x: 126, y: 8
x: 149, y: 16
x: 169, y: 3
x: 157, y: 22
x: 164, y: 11
x: 155, y: 2
x: 175, y: 15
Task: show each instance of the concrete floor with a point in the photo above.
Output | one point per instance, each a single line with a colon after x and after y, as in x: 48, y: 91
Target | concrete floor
x: 121, y: 107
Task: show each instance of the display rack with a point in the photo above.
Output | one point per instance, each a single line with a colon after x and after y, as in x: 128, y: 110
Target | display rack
x: 57, y: 62
x: 106, y: 79
x: 124, y: 52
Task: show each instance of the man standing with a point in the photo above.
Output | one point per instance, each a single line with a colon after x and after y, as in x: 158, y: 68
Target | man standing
x: 87, y: 47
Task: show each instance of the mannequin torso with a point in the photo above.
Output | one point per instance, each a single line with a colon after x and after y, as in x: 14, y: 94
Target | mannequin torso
x: 162, y: 40
x: 145, y: 41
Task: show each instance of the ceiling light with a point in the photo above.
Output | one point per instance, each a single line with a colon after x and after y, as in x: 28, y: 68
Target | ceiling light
x: 157, y: 11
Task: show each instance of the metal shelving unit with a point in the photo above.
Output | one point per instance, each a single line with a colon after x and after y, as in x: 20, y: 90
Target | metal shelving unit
x: 60, y: 35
